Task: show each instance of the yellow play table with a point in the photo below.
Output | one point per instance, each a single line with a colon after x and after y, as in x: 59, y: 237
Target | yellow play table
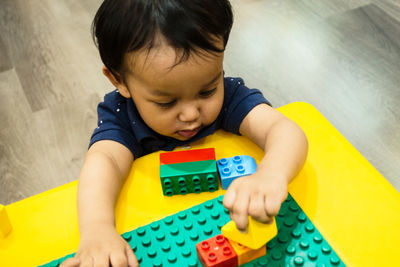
x: 351, y: 204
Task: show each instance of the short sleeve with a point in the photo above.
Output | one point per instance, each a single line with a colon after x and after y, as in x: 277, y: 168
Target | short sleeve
x: 113, y: 123
x: 240, y: 100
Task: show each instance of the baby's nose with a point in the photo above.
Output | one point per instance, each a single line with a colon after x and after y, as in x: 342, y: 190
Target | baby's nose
x: 189, y: 113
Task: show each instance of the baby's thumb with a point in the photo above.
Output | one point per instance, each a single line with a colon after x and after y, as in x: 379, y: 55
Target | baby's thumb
x: 71, y: 262
x: 229, y: 198
x: 132, y: 260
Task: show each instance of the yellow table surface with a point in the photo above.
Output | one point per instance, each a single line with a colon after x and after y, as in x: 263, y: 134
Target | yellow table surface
x: 352, y: 205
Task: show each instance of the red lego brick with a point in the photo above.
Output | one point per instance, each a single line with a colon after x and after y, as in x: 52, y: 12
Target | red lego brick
x: 216, y: 252
x: 187, y: 156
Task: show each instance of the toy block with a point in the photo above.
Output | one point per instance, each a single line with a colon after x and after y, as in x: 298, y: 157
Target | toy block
x: 246, y: 254
x: 231, y: 168
x: 216, y: 252
x: 5, y: 224
x: 258, y: 234
x: 187, y: 156
x: 189, y: 177
x: 172, y: 241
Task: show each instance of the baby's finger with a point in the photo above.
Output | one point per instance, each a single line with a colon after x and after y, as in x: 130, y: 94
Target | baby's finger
x: 240, y: 211
x: 71, y: 262
x: 87, y: 262
x: 272, y: 206
x: 101, y: 260
x: 118, y: 259
x: 132, y: 260
x: 229, y: 198
x: 257, y: 208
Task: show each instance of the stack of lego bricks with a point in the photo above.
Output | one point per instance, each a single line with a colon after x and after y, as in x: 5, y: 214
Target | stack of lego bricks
x: 188, y: 171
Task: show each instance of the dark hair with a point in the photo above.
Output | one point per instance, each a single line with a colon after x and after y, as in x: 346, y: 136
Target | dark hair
x: 122, y: 26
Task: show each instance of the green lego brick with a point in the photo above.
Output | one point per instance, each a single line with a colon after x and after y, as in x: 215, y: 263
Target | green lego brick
x: 172, y: 240
x: 189, y: 177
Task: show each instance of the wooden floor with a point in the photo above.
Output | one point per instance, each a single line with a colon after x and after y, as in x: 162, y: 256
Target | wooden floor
x: 342, y: 56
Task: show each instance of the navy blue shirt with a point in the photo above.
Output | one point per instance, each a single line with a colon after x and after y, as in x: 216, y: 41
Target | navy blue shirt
x: 119, y: 120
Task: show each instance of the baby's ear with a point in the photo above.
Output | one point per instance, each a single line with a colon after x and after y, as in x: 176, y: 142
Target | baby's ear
x: 117, y: 81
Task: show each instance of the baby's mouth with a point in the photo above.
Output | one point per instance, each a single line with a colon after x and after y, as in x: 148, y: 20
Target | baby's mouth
x: 188, y: 133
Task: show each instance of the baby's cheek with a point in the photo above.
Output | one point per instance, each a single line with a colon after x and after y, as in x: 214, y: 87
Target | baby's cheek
x: 214, y: 110
x: 166, y: 123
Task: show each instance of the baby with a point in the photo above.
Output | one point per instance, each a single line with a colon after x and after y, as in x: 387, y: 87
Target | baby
x: 165, y: 59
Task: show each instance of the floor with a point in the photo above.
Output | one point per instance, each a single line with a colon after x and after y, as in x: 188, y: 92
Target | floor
x: 341, y: 56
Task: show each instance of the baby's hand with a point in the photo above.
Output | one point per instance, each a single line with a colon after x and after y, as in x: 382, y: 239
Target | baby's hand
x: 102, y: 247
x: 256, y: 195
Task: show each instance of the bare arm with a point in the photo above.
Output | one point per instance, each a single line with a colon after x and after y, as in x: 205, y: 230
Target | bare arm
x: 284, y: 142
x: 285, y: 145
x: 106, y: 167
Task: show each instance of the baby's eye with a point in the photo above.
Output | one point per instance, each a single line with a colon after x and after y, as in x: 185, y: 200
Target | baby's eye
x: 166, y: 104
x: 208, y: 93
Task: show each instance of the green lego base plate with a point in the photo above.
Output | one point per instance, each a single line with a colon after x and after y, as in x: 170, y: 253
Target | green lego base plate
x: 172, y: 240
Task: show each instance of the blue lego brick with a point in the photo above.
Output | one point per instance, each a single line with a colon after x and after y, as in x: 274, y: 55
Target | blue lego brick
x: 231, y: 168
x: 172, y: 240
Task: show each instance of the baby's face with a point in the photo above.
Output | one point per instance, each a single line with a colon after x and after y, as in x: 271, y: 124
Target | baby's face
x: 175, y: 101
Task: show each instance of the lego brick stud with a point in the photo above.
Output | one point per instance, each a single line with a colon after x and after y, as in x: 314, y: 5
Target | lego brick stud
x: 216, y: 252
